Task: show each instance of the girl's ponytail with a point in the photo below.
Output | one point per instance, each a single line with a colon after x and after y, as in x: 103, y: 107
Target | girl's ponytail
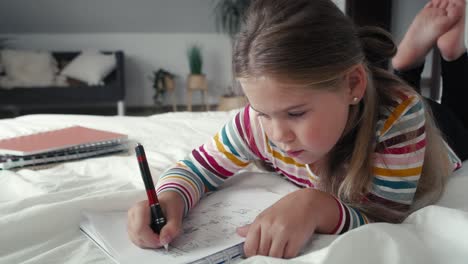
x: 378, y: 48
x: 377, y: 45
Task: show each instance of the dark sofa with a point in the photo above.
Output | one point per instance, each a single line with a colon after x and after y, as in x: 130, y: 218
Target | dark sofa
x: 113, y: 90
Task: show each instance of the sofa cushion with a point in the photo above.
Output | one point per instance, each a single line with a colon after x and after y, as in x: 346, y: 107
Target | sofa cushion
x: 90, y: 67
x: 28, y: 67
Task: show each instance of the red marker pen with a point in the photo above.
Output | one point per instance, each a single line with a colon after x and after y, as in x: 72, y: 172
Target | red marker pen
x: 157, y: 218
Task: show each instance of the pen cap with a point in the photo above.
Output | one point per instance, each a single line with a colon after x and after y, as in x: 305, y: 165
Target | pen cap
x: 144, y: 168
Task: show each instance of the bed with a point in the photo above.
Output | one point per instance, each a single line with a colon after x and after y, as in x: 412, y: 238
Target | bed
x: 40, y: 208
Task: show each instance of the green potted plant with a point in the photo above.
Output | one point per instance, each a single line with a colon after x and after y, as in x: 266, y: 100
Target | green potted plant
x: 195, y: 59
x: 163, y: 81
x: 196, y: 79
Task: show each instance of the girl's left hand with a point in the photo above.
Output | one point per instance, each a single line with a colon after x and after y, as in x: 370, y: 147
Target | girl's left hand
x: 282, y: 229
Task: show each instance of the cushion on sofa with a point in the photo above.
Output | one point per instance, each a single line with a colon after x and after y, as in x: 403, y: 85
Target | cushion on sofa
x: 28, y: 67
x: 90, y: 67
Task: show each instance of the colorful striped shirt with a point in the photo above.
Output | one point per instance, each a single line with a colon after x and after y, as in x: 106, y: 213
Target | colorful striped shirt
x: 400, y: 142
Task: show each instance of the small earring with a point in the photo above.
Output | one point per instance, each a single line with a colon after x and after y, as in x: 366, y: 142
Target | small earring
x: 355, y: 99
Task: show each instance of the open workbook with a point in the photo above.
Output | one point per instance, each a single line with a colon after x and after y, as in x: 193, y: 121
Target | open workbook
x: 209, y: 231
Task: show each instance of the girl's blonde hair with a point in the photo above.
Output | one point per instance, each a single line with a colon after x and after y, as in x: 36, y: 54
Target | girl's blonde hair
x: 313, y: 42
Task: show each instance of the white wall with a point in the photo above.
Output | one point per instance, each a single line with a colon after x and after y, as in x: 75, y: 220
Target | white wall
x: 147, y: 52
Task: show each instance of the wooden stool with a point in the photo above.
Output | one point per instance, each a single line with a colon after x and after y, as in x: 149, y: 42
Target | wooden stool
x: 196, y: 82
x: 170, y: 86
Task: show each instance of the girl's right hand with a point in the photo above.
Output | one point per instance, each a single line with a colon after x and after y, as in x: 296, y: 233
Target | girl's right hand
x: 138, y: 221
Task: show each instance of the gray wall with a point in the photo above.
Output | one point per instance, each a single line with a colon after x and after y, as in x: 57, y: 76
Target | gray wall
x: 91, y: 16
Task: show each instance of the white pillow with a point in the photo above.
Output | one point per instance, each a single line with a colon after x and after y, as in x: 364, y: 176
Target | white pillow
x: 90, y: 67
x: 29, y: 68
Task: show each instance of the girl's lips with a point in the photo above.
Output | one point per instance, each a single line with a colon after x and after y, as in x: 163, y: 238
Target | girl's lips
x: 295, y: 153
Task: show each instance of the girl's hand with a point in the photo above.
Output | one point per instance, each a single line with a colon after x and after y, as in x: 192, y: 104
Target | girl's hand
x: 282, y: 229
x: 138, y: 221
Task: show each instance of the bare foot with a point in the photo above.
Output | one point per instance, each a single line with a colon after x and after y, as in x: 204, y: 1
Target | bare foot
x: 428, y: 25
x: 452, y: 43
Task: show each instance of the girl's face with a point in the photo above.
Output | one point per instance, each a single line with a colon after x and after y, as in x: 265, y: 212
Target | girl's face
x: 306, y: 123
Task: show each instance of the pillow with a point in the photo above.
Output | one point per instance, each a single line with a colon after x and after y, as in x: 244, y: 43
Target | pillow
x: 90, y: 67
x: 29, y: 68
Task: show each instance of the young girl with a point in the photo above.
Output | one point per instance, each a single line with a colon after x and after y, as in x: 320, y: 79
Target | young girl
x: 358, y: 140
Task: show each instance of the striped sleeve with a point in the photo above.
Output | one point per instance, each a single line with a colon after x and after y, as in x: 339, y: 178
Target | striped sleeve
x: 349, y: 218
x: 210, y: 165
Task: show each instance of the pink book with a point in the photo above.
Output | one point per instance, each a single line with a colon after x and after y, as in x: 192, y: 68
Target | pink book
x: 54, y: 140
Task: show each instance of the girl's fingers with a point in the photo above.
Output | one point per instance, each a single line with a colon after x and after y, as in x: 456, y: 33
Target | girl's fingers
x: 138, y: 226
x: 252, y: 240
x: 145, y: 240
x: 243, y: 230
x: 170, y: 230
x: 443, y: 4
x: 292, y: 248
x: 277, y: 247
x: 262, y: 242
x: 265, y: 242
x: 139, y: 217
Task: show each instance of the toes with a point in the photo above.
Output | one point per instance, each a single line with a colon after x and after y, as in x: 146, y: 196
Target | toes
x: 436, y: 3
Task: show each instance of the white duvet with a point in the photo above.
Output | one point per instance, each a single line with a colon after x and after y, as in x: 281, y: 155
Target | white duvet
x: 40, y: 209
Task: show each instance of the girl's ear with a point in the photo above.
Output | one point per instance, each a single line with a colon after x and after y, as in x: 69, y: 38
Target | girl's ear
x: 356, y: 81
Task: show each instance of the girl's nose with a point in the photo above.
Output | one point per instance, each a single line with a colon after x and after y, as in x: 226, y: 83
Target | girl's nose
x: 282, y: 133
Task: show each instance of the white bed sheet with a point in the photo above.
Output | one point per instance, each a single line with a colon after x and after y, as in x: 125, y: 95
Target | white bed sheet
x: 40, y: 210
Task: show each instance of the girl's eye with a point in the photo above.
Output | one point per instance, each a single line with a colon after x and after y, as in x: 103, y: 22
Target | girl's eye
x: 262, y: 115
x: 296, y: 114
